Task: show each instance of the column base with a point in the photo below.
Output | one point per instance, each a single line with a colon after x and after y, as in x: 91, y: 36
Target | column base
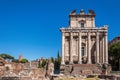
x: 71, y: 63
x: 62, y: 62
x: 79, y: 62
x: 89, y: 63
x: 106, y: 62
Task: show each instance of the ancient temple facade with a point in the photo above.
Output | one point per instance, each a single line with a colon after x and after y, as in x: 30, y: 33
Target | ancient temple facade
x: 82, y: 41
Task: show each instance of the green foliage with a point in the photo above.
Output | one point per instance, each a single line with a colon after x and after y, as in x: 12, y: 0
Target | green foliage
x: 59, y: 58
x: 114, y: 55
x: 57, y: 62
x: 56, y: 65
x: 15, y: 60
x: 11, y: 58
x: 42, y: 64
x: 6, y: 56
x: 24, y: 61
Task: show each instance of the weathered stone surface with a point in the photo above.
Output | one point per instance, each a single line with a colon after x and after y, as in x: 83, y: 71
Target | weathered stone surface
x: 2, y: 71
x: 83, y: 42
x: 49, y: 68
x: 81, y: 69
x: 25, y: 71
x: 9, y: 78
x: 2, y: 61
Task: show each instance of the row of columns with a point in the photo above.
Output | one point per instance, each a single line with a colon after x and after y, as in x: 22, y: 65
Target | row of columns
x: 105, y: 48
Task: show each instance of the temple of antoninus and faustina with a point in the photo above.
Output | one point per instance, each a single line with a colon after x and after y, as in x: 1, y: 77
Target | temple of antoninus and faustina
x: 82, y: 41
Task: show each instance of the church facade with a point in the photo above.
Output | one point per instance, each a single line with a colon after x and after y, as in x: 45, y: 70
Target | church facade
x: 82, y: 41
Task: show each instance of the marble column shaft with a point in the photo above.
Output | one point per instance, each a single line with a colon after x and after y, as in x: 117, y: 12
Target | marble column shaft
x: 106, y: 48
x: 63, y: 48
x: 71, y: 45
x: 97, y: 46
x: 79, y: 49
x: 103, y: 52
x: 89, y: 48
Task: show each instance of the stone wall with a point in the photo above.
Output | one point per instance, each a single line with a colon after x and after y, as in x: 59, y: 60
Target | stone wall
x: 25, y: 71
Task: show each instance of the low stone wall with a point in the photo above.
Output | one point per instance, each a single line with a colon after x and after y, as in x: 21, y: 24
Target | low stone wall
x: 9, y: 78
x: 24, y: 71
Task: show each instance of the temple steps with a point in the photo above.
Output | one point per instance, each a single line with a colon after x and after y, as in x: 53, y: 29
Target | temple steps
x: 85, y: 69
x: 81, y: 69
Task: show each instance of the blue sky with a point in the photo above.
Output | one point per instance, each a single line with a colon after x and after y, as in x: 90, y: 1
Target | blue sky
x: 31, y: 27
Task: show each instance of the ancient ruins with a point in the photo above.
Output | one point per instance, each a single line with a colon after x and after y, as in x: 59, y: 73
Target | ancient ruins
x: 84, y: 54
x: 83, y: 44
x: 82, y: 41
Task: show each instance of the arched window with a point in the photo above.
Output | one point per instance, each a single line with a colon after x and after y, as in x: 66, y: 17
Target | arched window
x: 82, y: 25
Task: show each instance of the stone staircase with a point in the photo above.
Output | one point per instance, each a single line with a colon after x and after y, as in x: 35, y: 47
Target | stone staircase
x: 81, y: 69
x: 86, y: 69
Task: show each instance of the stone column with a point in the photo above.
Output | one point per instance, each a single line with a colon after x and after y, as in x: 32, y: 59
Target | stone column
x: 63, y: 47
x: 106, y: 48
x: 103, y: 49
x: 71, y: 44
x: 79, y: 49
x: 86, y: 47
x: 89, y: 48
x: 97, y: 46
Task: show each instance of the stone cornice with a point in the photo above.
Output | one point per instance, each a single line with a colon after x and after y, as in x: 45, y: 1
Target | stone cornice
x: 101, y: 29
x: 82, y: 15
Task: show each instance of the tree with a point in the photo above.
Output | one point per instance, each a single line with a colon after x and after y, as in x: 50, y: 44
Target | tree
x: 24, y: 61
x: 58, y: 57
x: 42, y: 64
x: 6, y: 56
x: 15, y: 60
x: 57, y: 62
x: 114, y: 55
